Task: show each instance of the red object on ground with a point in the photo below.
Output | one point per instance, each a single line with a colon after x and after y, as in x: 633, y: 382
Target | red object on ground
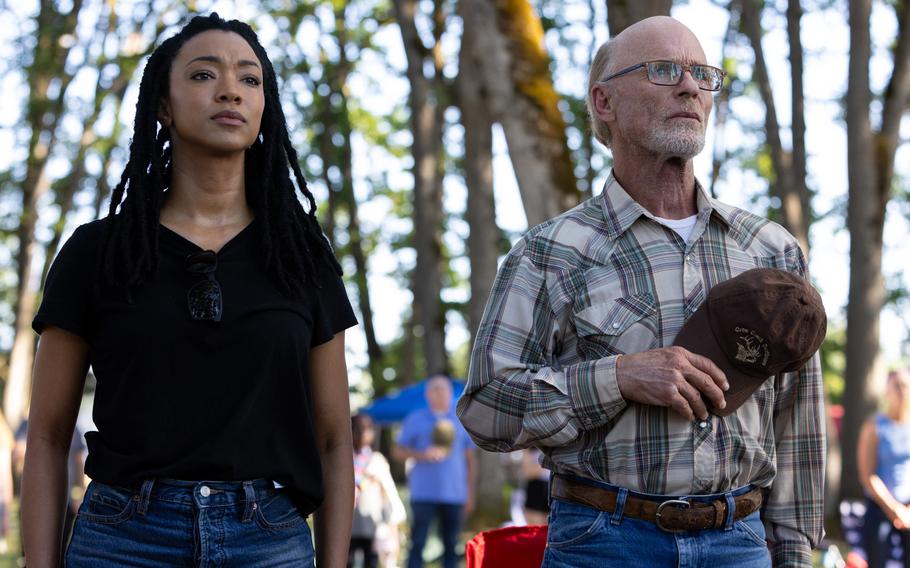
x: 854, y: 560
x: 509, y: 547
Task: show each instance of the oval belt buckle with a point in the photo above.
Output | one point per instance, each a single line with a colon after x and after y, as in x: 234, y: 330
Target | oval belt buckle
x: 679, y: 503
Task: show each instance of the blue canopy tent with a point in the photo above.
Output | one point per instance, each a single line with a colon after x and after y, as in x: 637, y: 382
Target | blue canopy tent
x: 394, y: 407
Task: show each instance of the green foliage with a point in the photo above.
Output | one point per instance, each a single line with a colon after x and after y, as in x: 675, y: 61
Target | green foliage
x: 460, y: 360
x: 833, y: 357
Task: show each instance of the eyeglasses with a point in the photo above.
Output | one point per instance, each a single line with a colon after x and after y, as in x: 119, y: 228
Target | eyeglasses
x: 204, y: 298
x: 670, y: 73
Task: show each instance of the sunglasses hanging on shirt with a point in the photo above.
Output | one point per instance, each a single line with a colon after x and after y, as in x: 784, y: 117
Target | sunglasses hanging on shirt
x: 204, y: 297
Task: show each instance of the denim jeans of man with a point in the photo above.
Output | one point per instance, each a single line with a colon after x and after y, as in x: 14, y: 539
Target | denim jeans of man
x: 169, y: 523
x: 583, y: 537
x: 449, y: 518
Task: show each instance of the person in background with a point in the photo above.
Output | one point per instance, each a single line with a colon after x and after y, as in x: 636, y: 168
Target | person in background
x: 210, y: 307
x: 378, y: 510
x: 537, y: 488
x: 883, y: 460
x: 441, y: 481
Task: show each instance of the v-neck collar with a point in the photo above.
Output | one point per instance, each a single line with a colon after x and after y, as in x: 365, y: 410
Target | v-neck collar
x: 184, y: 242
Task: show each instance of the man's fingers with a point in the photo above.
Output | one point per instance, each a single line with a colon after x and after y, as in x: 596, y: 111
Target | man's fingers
x: 705, y: 385
x: 708, y: 367
x: 694, y: 402
x: 681, y: 405
x: 674, y: 377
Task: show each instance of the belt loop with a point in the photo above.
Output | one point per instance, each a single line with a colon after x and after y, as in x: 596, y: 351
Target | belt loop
x: 249, y: 499
x: 145, y: 494
x: 731, y: 510
x: 620, y: 506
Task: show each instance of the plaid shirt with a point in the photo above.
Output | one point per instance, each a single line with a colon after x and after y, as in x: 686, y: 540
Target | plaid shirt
x: 605, y: 279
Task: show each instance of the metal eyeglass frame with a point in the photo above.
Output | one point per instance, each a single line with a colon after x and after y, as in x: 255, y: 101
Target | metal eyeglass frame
x: 683, y: 68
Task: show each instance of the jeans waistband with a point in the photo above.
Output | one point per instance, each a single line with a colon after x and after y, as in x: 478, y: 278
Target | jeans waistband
x: 670, y: 513
x: 214, y: 485
x: 696, y: 498
x: 245, y: 494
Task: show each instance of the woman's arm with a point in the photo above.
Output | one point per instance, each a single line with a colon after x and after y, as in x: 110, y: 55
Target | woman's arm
x: 61, y: 363
x: 329, y: 388
x: 866, y: 459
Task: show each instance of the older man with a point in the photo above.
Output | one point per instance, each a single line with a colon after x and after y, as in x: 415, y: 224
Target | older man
x: 654, y: 463
x: 441, y: 481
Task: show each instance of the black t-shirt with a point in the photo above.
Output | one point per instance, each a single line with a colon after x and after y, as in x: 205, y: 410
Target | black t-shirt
x: 197, y: 400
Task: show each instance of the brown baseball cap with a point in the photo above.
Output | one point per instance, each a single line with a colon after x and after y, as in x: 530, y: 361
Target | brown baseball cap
x: 758, y: 324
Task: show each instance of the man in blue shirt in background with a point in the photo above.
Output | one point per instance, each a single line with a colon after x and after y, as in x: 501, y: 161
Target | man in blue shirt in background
x: 441, y: 481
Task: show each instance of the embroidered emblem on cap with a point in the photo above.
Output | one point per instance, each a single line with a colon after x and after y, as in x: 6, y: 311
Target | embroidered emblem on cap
x: 753, y: 326
x: 751, y: 347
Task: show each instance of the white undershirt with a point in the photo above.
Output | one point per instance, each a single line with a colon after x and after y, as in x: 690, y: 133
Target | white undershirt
x: 683, y: 227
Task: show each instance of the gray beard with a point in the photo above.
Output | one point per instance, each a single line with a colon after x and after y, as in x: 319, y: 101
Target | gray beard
x: 681, y: 141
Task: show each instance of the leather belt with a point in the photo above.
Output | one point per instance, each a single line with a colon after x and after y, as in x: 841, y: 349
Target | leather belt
x: 673, y: 515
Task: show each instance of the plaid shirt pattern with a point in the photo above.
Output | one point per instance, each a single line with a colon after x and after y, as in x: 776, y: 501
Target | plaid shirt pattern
x: 604, y: 279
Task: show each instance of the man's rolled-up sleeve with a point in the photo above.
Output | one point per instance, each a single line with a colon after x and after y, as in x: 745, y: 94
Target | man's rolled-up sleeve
x: 517, y: 394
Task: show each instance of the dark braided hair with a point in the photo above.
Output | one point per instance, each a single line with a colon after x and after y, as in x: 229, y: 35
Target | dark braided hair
x: 291, y: 239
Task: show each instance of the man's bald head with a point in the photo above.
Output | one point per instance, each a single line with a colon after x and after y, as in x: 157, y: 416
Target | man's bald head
x: 642, y: 41
x: 439, y: 393
x: 654, y: 38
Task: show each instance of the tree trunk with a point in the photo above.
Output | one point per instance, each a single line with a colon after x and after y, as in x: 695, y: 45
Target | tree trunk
x: 792, y: 192
x: 834, y: 459
x: 484, y: 235
x: 721, y: 111
x: 325, y: 154
x: 43, y: 115
x: 514, y: 67
x: 587, y: 141
x: 67, y: 189
x: 426, y: 145
x: 407, y: 371
x: 870, y: 161
x: 798, y: 127
x: 343, y: 125
x: 623, y: 13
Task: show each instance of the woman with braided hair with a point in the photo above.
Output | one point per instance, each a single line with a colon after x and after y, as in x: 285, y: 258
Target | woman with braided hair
x: 210, y: 307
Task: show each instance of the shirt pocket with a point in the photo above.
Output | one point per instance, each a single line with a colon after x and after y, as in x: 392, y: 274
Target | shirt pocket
x: 626, y: 324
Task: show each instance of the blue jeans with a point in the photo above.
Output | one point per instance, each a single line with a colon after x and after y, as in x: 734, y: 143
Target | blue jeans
x: 878, y: 537
x: 449, y: 523
x: 583, y: 537
x: 189, y: 523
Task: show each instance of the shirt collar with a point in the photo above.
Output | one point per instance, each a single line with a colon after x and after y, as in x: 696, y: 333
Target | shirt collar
x: 620, y: 211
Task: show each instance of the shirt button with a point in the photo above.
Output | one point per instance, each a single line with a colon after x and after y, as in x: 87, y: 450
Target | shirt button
x: 702, y: 424
x: 205, y: 491
x: 615, y: 325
